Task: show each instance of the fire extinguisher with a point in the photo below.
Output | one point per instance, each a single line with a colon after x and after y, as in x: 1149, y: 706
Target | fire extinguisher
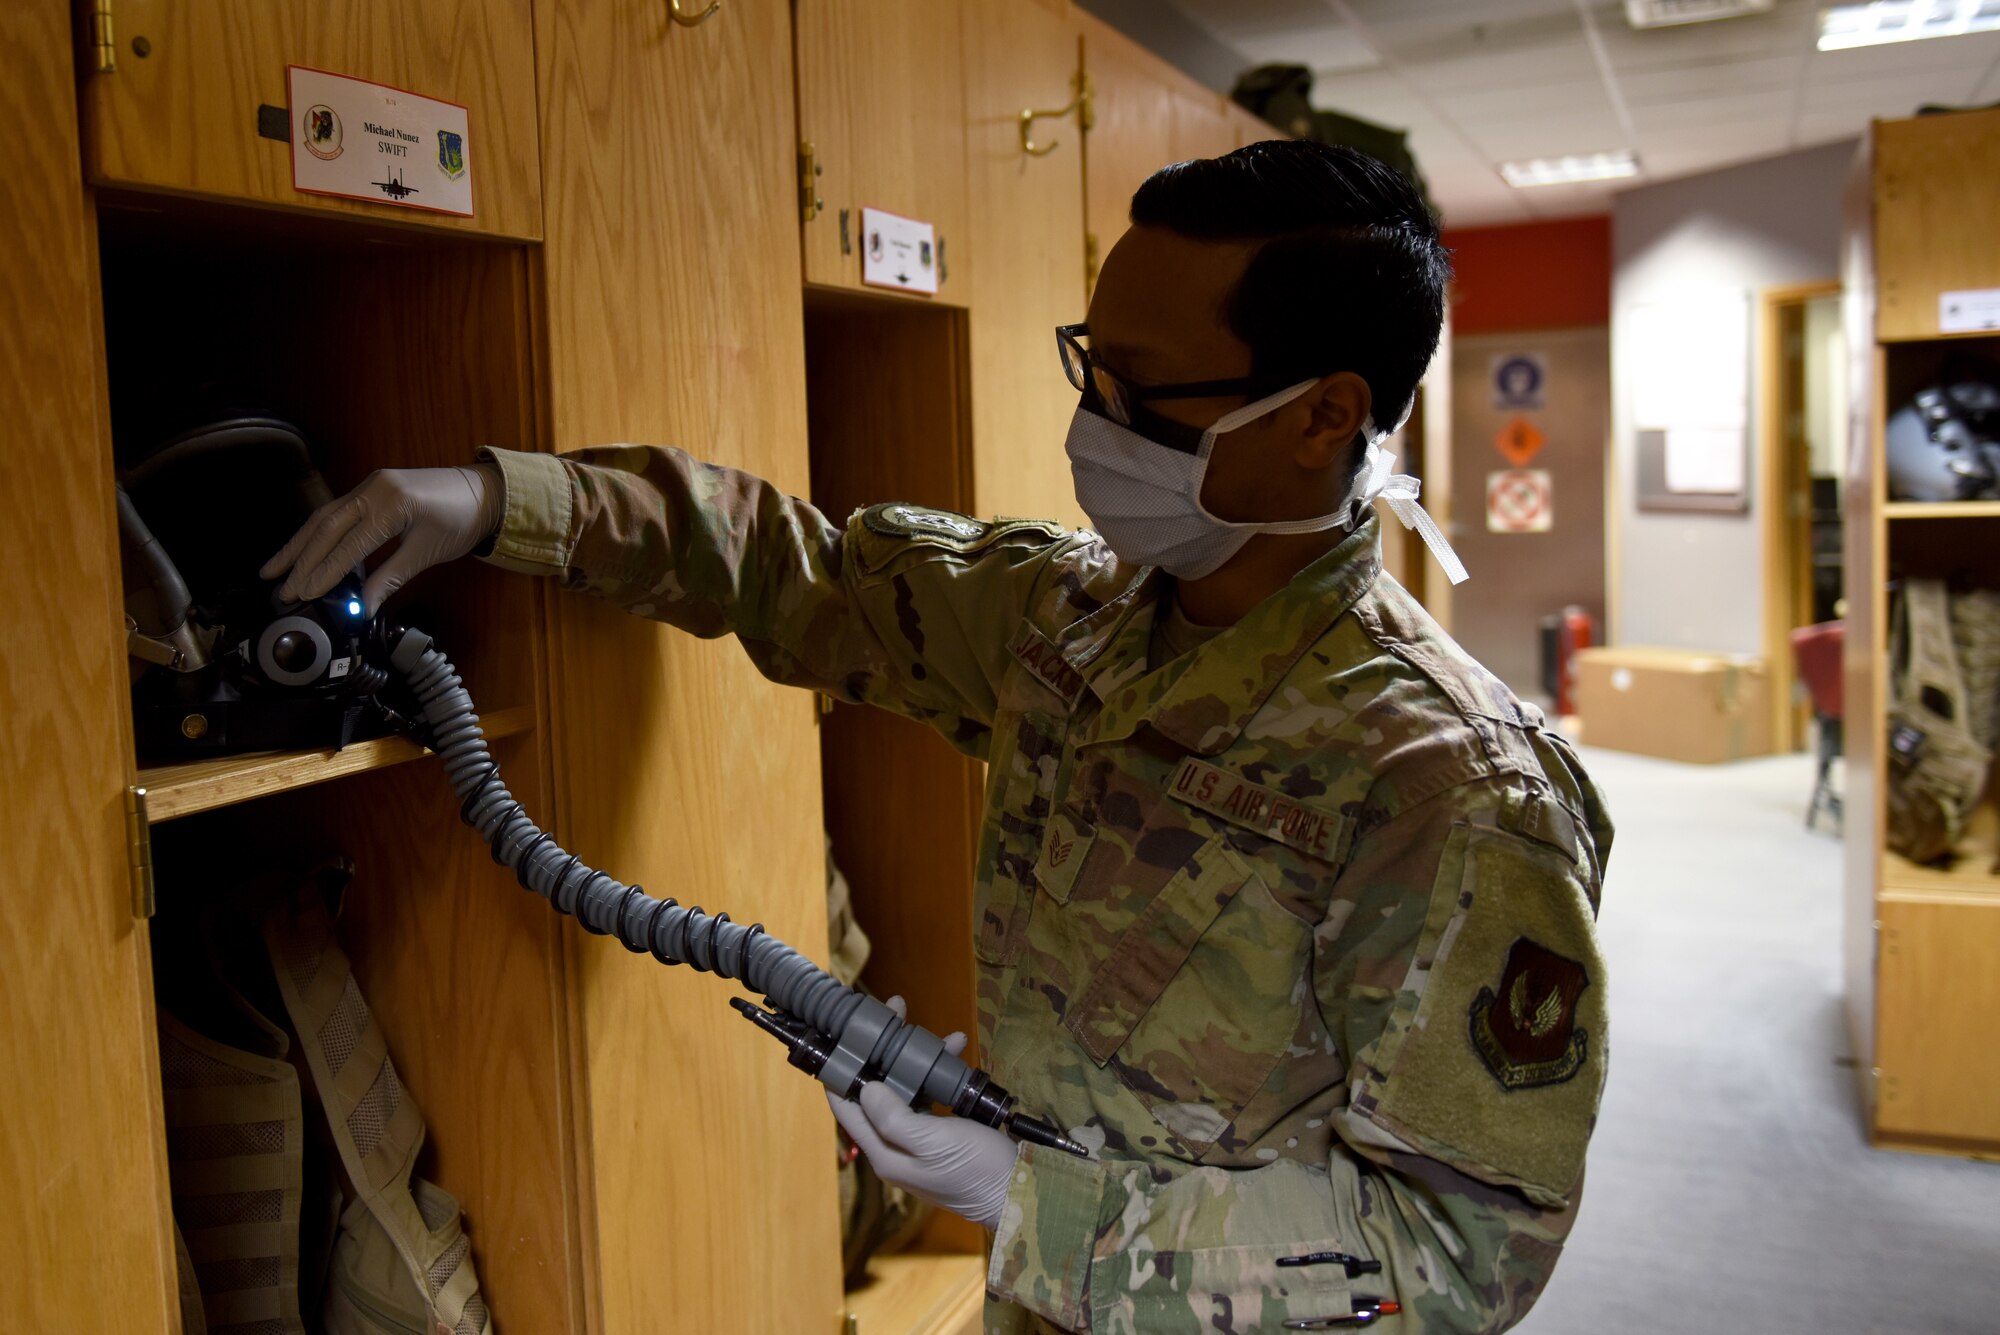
x: 1562, y: 635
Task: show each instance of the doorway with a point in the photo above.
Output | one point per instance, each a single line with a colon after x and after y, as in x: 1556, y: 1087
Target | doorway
x: 1803, y: 391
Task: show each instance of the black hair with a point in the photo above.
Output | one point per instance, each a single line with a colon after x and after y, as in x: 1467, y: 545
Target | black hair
x: 1351, y: 274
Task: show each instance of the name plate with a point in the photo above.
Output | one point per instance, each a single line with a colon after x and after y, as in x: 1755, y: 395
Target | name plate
x: 359, y: 140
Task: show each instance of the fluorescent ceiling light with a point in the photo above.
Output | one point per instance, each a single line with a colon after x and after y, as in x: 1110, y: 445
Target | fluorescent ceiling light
x: 1576, y: 167
x: 1846, y: 26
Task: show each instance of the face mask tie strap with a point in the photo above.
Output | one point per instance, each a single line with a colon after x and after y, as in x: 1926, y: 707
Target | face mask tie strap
x: 1401, y: 495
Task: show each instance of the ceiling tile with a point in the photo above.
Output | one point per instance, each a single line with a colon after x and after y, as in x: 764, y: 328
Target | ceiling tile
x: 1785, y: 30
x: 1561, y: 57
x: 1972, y: 51
x: 1721, y: 77
x: 1479, y: 82
x: 1329, y: 48
x: 1893, y: 95
x: 1716, y: 117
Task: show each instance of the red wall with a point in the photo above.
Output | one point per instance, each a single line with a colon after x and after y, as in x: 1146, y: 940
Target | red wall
x: 1543, y: 275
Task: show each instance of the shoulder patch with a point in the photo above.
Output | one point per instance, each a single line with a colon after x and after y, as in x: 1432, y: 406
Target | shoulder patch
x: 1526, y: 1030
x: 942, y: 528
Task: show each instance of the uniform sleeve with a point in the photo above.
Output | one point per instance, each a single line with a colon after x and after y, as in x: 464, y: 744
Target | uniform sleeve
x: 1459, y: 966
x: 906, y: 608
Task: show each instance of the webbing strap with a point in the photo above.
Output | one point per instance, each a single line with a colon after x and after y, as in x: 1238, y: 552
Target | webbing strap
x: 363, y: 1098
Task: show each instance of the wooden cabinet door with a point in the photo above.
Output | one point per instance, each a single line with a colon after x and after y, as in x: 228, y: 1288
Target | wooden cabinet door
x: 1250, y: 128
x: 184, y: 118
x: 86, y: 1244
x: 1131, y: 138
x: 1937, y: 1079
x: 879, y: 85
x: 1199, y: 124
x: 672, y: 314
x: 1028, y: 276
x: 1934, y: 200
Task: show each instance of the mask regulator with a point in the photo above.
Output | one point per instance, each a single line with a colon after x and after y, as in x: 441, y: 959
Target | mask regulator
x: 835, y: 1034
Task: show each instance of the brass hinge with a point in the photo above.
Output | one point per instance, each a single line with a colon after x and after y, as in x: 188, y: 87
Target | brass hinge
x: 822, y: 705
x: 103, y: 41
x: 1089, y: 262
x: 139, y: 852
x: 809, y: 171
x: 1086, y: 101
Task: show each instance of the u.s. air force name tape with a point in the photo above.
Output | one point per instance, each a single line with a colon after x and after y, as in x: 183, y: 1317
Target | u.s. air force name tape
x: 1312, y: 829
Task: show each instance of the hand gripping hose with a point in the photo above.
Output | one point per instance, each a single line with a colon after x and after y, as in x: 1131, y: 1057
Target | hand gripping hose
x: 834, y: 1033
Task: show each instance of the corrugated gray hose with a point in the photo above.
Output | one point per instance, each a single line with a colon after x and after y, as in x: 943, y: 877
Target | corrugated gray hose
x: 839, y: 1035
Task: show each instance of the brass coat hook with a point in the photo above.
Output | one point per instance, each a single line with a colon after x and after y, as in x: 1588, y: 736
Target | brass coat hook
x: 1083, y: 103
x: 687, y: 20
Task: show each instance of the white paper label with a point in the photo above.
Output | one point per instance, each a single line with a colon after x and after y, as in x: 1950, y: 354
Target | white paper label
x: 898, y: 252
x: 1705, y: 460
x: 1963, y: 312
x: 362, y: 140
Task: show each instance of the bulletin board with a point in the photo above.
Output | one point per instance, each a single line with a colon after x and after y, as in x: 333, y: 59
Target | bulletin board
x: 1691, y: 402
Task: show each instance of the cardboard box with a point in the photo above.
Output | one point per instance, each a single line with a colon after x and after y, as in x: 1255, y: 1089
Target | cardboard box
x: 1677, y: 704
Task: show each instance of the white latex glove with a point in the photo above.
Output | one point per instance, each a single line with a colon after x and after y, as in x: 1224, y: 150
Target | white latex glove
x: 439, y: 513
x: 952, y: 1162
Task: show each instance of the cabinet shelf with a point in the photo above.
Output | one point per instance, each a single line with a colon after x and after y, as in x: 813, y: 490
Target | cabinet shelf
x: 204, y: 785
x: 1942, y: 509
x: 1972, y: 875
x: 920, y: 1294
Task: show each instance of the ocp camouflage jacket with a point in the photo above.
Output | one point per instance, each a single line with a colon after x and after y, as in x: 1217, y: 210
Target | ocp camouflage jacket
x: 1296, y: 931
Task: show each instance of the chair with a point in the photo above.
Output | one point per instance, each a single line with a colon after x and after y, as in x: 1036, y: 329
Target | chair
x: 1816, y: 653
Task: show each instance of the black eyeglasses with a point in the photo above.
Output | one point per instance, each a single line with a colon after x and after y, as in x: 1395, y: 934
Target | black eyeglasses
x: 1120, y: 398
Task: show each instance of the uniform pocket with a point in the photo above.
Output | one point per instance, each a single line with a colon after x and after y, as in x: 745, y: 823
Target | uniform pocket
x: 1215, y: 1288
x: 1020, y: 785
x: 1199, y: 998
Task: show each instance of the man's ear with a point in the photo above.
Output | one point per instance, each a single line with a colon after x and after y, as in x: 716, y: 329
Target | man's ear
x: 1338, y: 412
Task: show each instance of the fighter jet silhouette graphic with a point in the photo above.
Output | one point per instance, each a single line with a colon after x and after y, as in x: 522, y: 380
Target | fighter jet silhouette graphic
x: 395, y: 189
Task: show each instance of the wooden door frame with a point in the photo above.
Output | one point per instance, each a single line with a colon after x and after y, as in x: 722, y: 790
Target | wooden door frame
x: 1771, y: 503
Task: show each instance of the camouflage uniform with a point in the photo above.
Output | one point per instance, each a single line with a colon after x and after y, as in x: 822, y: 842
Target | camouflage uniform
x: 1295, y: 931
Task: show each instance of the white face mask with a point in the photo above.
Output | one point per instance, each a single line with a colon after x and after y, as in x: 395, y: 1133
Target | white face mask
x: 1144, y: 495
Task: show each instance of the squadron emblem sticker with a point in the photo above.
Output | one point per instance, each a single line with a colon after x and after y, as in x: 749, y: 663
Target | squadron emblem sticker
x: 322, y: 132
x: 451, y: 154
x: 1526, y: 1030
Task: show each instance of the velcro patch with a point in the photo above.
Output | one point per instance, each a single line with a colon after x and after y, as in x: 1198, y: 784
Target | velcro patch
x: 1310, y: 828
x: 1043, y: 659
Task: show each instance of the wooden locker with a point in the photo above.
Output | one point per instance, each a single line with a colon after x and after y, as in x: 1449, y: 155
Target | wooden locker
x: 86, y: 1246
x: 1030, y: 274
x: 1251, y: 128
x: 878, y: 101
x: 183, y: 117
x: 1936, y: 1080
x: 1198, y: 121
x: 464, y: 971
x: 1927, y: 242
x: 672, y: 314
x: 1132, y: 136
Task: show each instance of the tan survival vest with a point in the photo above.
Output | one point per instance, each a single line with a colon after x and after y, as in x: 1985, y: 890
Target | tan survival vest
x: 399, y: 1261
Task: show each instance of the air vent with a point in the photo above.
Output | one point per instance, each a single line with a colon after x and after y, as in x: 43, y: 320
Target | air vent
x: 1668, y: 13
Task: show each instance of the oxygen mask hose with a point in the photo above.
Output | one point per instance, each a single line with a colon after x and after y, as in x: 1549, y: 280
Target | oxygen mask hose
x: 834, y: 1033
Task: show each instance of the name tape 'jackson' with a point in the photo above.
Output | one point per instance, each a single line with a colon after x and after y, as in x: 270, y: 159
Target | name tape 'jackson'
x: 1268, y: 812
x: 1046, y: 662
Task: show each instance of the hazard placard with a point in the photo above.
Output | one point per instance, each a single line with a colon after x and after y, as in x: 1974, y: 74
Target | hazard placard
x: 1519, y: 441
x: 1519, y: 500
